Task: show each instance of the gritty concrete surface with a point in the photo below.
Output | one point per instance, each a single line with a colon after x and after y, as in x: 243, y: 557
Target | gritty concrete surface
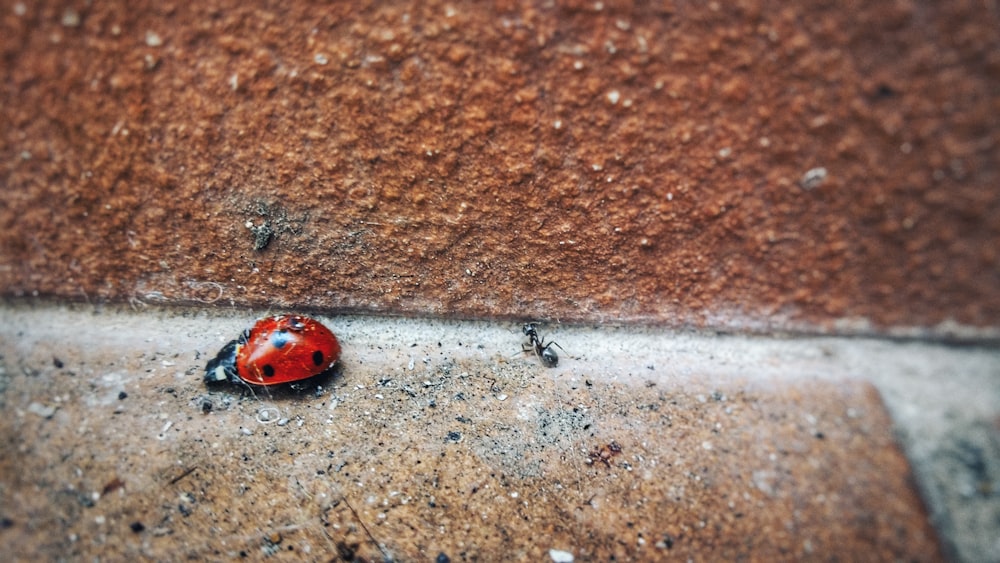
x: 437, y: 437
x: 745, y: 164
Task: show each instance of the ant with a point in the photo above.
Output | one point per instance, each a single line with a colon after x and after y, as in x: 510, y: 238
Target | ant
x: 604, y: 454
x: 541, y: 349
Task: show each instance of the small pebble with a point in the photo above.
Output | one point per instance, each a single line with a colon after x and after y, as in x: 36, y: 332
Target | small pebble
x: 560, y: 556
x: 813, y: 179
x: 41, y: 410
x: 70, y: 18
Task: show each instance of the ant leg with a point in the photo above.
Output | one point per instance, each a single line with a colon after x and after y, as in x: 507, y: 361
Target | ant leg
x: 556, y: 344
x: 525, y: 349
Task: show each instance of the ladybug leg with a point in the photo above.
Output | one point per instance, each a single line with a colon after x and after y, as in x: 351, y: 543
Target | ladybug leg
x: 246, y: 386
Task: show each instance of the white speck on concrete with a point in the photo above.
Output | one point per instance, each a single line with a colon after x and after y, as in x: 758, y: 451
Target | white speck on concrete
x: 153, y: 39
x: 42, y: 410
x: 267, y: 415
x: 163, y: 432
x: 560, y: 556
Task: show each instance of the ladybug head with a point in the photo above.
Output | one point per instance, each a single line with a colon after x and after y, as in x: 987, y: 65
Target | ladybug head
x: 223, y: 366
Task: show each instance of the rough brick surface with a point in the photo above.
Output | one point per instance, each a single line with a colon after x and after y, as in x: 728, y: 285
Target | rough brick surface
x: 572, y: 160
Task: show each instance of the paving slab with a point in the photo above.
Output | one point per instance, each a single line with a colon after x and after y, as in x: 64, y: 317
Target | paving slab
x: 435, y: 437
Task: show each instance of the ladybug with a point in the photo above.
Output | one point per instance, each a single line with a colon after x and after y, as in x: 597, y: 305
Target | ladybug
x: 280, y: 349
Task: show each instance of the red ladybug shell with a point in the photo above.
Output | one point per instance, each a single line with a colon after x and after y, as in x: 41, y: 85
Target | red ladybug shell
x: 284, y: 349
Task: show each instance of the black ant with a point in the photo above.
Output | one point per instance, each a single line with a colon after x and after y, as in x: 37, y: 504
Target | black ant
x: 541, y: 349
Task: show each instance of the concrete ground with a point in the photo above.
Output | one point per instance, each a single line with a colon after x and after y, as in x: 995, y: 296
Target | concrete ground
x: 436, y: 439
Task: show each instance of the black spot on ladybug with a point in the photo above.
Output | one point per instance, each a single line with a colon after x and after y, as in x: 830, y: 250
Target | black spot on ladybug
x: 318, y: 358
x: 279, y: 339
x: 268, y: 370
